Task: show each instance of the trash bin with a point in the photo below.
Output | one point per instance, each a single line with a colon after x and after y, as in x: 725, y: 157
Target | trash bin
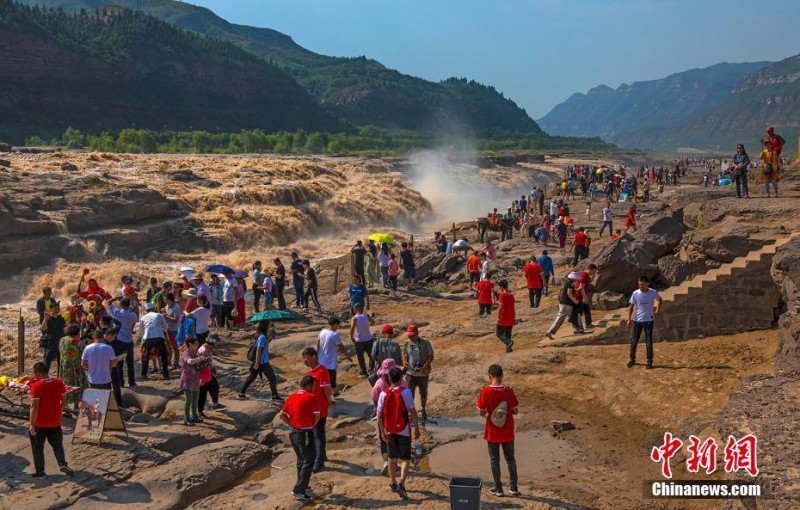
x: 465, y: 493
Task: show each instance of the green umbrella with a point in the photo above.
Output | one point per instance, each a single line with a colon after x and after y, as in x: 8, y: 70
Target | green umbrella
x: 273, y: 315
x: 380, y: 238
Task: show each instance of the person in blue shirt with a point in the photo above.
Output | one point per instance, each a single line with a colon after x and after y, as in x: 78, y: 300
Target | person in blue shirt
x: 358, y: 295
x: 548, y: 271
x: 260, y: 364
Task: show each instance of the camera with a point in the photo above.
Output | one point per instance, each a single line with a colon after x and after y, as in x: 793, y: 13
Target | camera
x: 418, y: 365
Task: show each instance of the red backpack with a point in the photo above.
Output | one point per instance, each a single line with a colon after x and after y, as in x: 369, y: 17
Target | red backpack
x: 395, y: 413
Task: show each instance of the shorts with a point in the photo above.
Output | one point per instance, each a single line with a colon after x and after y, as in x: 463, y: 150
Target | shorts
x: 409, y: 272
x: 421, y: 382
x: 399, y: 447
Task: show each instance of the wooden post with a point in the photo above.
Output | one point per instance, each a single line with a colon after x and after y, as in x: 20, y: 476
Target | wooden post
x: 20, y: 344
x: 412, y: 238
x: 336, y: 280
x: 352, y: 264
x: 454, y: 233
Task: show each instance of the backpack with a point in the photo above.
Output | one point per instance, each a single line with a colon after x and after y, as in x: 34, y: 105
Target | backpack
x: 388, y: 348
x: 395, y: 413
x: 500, y: 413
x: 251, y: 352
x: 424, y: 351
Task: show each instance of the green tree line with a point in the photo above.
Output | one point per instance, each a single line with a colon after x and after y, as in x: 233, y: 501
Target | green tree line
x: 367, y: 140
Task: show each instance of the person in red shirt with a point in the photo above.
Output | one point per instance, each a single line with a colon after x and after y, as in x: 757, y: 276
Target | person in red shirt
x: 617, y: 235
x: 776, y: 139
x: 474, y: 268
x: 580, y: 244
x: 485, y: 292
x: 490, y: 397
x: 324, y: 393
x: 301, y: 411
x: 630, y: 221
x: 533, y: 273
x: 584, y: 289
x: 505, y: 315
x: 47, y: 400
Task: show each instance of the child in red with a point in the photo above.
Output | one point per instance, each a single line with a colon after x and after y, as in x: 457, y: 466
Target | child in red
x: 506, y: 315
x: 485, y: 292
x: 630, y: 221
x: 499, y: 436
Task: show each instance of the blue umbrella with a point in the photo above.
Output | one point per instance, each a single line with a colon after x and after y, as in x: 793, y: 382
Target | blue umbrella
x: 240, y: 274
x: 218, y: 269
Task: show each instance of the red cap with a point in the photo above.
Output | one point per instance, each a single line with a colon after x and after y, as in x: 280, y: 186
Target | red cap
x: 770, y: 129
x: 387, y: 328
x: 412, y: 329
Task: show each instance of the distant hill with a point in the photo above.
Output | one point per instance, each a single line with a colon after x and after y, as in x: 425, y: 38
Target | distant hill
x: 125, y: 69
x: 770, y: 96
x: 640, y: 114
x: 360, y: 90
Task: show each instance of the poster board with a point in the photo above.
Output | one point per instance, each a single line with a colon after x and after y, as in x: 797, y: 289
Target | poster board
x: 97, y: 412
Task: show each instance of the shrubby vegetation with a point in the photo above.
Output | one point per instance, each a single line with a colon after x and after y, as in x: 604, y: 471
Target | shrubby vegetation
x: 366, y: 141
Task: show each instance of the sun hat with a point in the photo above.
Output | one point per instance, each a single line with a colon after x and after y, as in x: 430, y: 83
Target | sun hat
x: 387, y: 328
x: 387, y: 365
x: 412, y: 329
x: 574, y: 275
x: 149, y: 306
x: 198, y: 276
x: 189, y: 293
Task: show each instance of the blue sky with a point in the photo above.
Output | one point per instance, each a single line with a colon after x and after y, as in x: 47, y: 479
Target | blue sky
x: 537, y: 52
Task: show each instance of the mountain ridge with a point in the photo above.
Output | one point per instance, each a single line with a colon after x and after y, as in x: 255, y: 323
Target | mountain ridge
x: 632, y: 114
x: 361, y: 90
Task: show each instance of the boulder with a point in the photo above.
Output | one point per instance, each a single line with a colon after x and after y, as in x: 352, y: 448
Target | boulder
x: 561, y: 426
x: 265, y: 437
x: 150, y: 403
x: 5, y: 162
x: 787, y: 355
x: 673, y: 270
x: 620, y: 263
x: 448, y: 265
x: 786, y: 265
x: 69, y: 167
x: 193, y: 475
x: 608, y: 300
x: 5, y: 147
x: 724, y: 247
x: 427, y: 264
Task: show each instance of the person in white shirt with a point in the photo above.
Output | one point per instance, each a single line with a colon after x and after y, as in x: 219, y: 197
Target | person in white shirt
x: 645, y: 302
x: 329, y: 345
x: 153, y: 332
x: 608, y: 215
x: 202, y: 315
x: 97, y: 360
x: 228, y: 299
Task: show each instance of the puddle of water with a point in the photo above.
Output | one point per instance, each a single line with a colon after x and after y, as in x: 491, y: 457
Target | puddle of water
x: 259, y: 475
x: 535, y: 452
x: 447, y: 429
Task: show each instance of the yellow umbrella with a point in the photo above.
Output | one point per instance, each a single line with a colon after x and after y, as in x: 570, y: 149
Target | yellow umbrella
x: 380, y: 238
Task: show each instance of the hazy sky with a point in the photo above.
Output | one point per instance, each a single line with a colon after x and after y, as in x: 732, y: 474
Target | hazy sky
x: 538, y: 52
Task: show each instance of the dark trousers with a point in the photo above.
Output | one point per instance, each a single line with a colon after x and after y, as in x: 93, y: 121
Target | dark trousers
x: 320, y: 442
x: 741, y: 184
x: 303, y: 443
x: 51, y: 354
x: 127, y: 348
x: 484, y: 309
x: 55, y: 437
x: 535, y: 296
x: 106, y: 386
x: 116, y: 385
x: 586, y: 310
x: 610, y: 228
x: 504, y: 333
x: 161, y: 345
x: 581, y: 252
x: 638, y: 327
x: 393, y: 282
x: 299, y: 298
x: 575, y: 317
x: 494, y: 460
x: 265, y: 369
x: 227, y: 308
x: 257, y: 294
x: 332, y: 373
x: 365, y: 348
x: 312, y: 294
x: 211, y: 387
x: 279, y: 286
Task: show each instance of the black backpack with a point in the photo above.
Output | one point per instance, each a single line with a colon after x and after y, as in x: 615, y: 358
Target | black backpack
x: 251, y: 352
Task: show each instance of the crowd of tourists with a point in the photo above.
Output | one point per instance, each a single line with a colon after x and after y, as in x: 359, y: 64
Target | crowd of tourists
x: 92, y: 339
